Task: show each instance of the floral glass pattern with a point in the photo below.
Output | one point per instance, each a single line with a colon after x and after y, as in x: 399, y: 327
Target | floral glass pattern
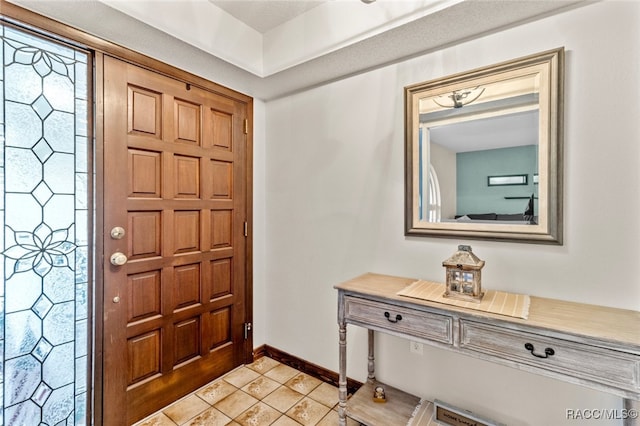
x: 45, y: 213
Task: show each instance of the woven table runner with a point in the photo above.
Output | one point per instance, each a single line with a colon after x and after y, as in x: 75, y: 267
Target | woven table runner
x: 496, y: 302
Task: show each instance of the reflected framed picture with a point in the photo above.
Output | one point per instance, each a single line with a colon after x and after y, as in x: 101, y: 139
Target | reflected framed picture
x: 507, y: 180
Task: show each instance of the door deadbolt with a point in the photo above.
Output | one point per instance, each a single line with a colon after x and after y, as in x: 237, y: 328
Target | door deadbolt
x: 117, y: 233
x: 118, y: 259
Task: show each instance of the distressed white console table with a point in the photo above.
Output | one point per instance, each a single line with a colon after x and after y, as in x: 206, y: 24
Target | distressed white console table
x: 589, y: 345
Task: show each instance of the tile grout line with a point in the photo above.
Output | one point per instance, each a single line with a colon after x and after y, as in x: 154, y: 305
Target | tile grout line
x: 229, y: 378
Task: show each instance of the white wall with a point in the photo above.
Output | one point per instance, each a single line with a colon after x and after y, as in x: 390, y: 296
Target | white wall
x: 334, y: 209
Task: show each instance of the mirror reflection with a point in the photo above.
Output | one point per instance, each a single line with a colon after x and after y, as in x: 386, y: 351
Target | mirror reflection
x: 482, y: 152
x: 491, y: 132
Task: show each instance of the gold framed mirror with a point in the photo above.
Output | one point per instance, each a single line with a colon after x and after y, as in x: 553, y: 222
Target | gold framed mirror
x: 483, y: 152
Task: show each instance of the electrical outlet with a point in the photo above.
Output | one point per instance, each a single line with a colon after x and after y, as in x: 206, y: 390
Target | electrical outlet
x: 416, y: 348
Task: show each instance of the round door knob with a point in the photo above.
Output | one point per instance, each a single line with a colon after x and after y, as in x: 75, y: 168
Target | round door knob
x: 117, y: 233
x: 116, y: 299
x: 118, y: 259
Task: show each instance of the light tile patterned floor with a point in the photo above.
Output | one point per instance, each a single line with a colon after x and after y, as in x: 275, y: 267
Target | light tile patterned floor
x: 260, y: 394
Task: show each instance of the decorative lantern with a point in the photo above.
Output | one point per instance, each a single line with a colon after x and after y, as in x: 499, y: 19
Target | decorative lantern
x: 464, y: 275
x: 378, y: 394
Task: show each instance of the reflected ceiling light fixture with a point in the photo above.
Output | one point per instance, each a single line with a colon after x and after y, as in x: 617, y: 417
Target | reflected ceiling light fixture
x: 367, y: 1
x: 460, y: 98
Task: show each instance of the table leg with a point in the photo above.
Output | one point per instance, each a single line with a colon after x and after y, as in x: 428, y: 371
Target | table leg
x: 342, y: 379
x: 371, y: 367
x: 632, y: 410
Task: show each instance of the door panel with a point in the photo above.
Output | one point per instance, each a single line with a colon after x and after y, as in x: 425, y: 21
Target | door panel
x: 175, y: 180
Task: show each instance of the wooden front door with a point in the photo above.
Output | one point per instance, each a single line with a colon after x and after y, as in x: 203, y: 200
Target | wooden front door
x: 175, y: 292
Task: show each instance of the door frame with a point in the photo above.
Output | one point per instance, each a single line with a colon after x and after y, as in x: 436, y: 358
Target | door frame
x: 100, y: 47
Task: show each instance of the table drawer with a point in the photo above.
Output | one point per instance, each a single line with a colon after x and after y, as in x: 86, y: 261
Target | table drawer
x: 409, y: 322
x: 565, y: 357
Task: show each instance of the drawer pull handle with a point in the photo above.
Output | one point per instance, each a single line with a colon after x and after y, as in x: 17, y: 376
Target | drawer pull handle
x: 547, y: 352
x: 388, y: 316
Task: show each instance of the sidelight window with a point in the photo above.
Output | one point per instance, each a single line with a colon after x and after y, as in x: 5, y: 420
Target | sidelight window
x: 45, y: 214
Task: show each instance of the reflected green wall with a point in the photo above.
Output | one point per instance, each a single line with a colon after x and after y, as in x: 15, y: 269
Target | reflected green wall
x: 473, y: 168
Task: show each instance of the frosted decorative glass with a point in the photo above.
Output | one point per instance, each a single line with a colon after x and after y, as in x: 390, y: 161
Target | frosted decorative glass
x: 59, y: 173
x: 22, y: 291
x: 44, y: 215
x: 22, y: 128
x: 59, y: 131
x: 20, y: 168
x: 59, y: 91
x: 28, y: 84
